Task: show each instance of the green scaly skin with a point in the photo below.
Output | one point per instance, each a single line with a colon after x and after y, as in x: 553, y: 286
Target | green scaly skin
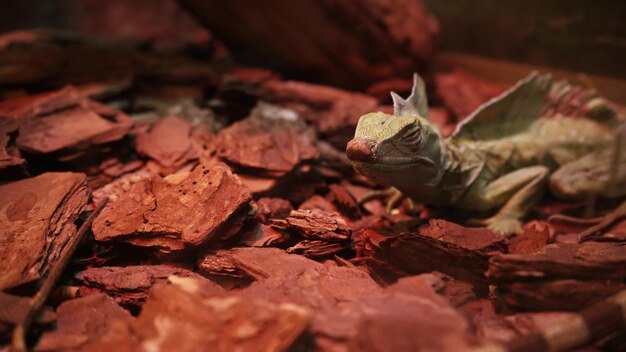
x: 502, y: 158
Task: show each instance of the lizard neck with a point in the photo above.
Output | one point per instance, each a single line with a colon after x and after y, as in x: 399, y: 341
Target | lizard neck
x: 461, y: 166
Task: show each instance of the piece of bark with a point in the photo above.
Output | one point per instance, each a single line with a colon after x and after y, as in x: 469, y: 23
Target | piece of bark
x: 117, y: 188
x: 455, y: 291
x: 329, y: 109
x: 317, y: 249
x: 344, y: 201
x: 585, y: 261
x: 504, y: 328
x: 272, y: 142
x: 259, y: 185
x: 183, y: 318
x: 168, y: 142
x: 563, y: 295
x: 462, y: 92
x: 89, y: 324
x: 188, y: 209
x: 533, y: 239
x: 273, y: 208
x: 458, y: 251
x: 64, y: 124
x: 131, y: 285
x: 350, y: 311
x: 40, y: 104
x: 318, y: 40
x: 374, y: 206
x: 12, y: 165
x: 296, y: 186
x: 13, y: 310
x: 262, y: 235
x: 102, y: 165
x: 315, y: 225
x: 273, y: 274
x: 38, y: 220
x: 47, y: 58
x: 407, y: 316
x: 223, y: 268
x: 318, y: 202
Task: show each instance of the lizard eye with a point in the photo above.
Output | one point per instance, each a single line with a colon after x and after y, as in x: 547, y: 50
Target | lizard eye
x: 409, y: 139
x: 411, y: 134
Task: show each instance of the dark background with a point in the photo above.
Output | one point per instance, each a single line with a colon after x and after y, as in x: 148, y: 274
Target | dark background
x: 578, y: 35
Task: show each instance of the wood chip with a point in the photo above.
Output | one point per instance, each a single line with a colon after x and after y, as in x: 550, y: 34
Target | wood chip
x: 131, y: 285
x: 38, y: 220
x: 267, y: 143
x: 169, y: 143
x: 185, y: 209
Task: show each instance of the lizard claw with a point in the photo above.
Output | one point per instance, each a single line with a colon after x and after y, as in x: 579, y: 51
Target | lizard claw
x: 392, y: 197
x: 502, y: 225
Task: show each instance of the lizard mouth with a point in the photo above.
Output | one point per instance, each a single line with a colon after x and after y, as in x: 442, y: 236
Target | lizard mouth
x: 400, y: 161
x: 363, y: 151
x: 392, y: 164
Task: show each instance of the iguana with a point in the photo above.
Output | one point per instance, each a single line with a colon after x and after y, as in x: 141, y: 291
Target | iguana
x: 502, y: 157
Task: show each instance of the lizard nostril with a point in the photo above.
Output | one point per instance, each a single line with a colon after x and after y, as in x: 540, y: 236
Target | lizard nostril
x: 360, y: 149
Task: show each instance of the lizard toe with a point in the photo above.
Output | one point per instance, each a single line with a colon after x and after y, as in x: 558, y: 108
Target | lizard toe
x: 505, y: 226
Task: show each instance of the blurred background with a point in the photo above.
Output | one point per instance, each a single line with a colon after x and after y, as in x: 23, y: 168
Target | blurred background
x: 354, y: 44
x: 572, y: 34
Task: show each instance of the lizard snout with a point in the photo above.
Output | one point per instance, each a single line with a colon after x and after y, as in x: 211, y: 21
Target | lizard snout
x: 361, y: 149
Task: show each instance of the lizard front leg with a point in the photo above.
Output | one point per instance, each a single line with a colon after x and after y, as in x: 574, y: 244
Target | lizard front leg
x: 392, y: 197
x: 517, y: 192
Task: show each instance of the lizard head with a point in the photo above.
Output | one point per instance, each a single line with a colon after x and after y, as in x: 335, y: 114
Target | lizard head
x: 400, y: 148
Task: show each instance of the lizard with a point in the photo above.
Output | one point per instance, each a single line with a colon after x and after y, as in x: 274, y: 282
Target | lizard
x: 502, y: 158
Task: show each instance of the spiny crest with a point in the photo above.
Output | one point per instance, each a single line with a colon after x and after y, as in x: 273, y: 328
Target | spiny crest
x: 415, y: 104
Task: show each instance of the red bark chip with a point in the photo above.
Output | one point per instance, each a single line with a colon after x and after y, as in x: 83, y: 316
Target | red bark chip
x: 407, y: 316
x: 318, y: 249
x: 117, y: 188
x: 350, y: 311
x: 532, y: 240
x: 37, y: 219
x: 315, y: 224
x: 168, y: 142
x: 564, y: 276
x: 282, y: 277
x: 273, y: 208
x: 10, y: 158
x: 271, y: 145
x: 40, y: 104
x: 461, y: 252
x: 471, y: 238
x: 93, y: 323
x: 588, y: 261
x: 131, y: 285
x: 344, y: 201
x: 558, y: 294
x: 328, y: 109
x: 185, y: 209
x: 182, y: 318
x: 64, y: 122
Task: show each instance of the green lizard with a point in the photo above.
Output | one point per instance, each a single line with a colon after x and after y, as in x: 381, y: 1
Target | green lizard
x: 503, y: 157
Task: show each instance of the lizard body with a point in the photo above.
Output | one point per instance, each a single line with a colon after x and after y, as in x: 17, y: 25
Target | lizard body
x: 502, y: 157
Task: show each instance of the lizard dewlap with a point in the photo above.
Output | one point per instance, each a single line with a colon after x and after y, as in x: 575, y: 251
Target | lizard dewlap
x: 502, y: 158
